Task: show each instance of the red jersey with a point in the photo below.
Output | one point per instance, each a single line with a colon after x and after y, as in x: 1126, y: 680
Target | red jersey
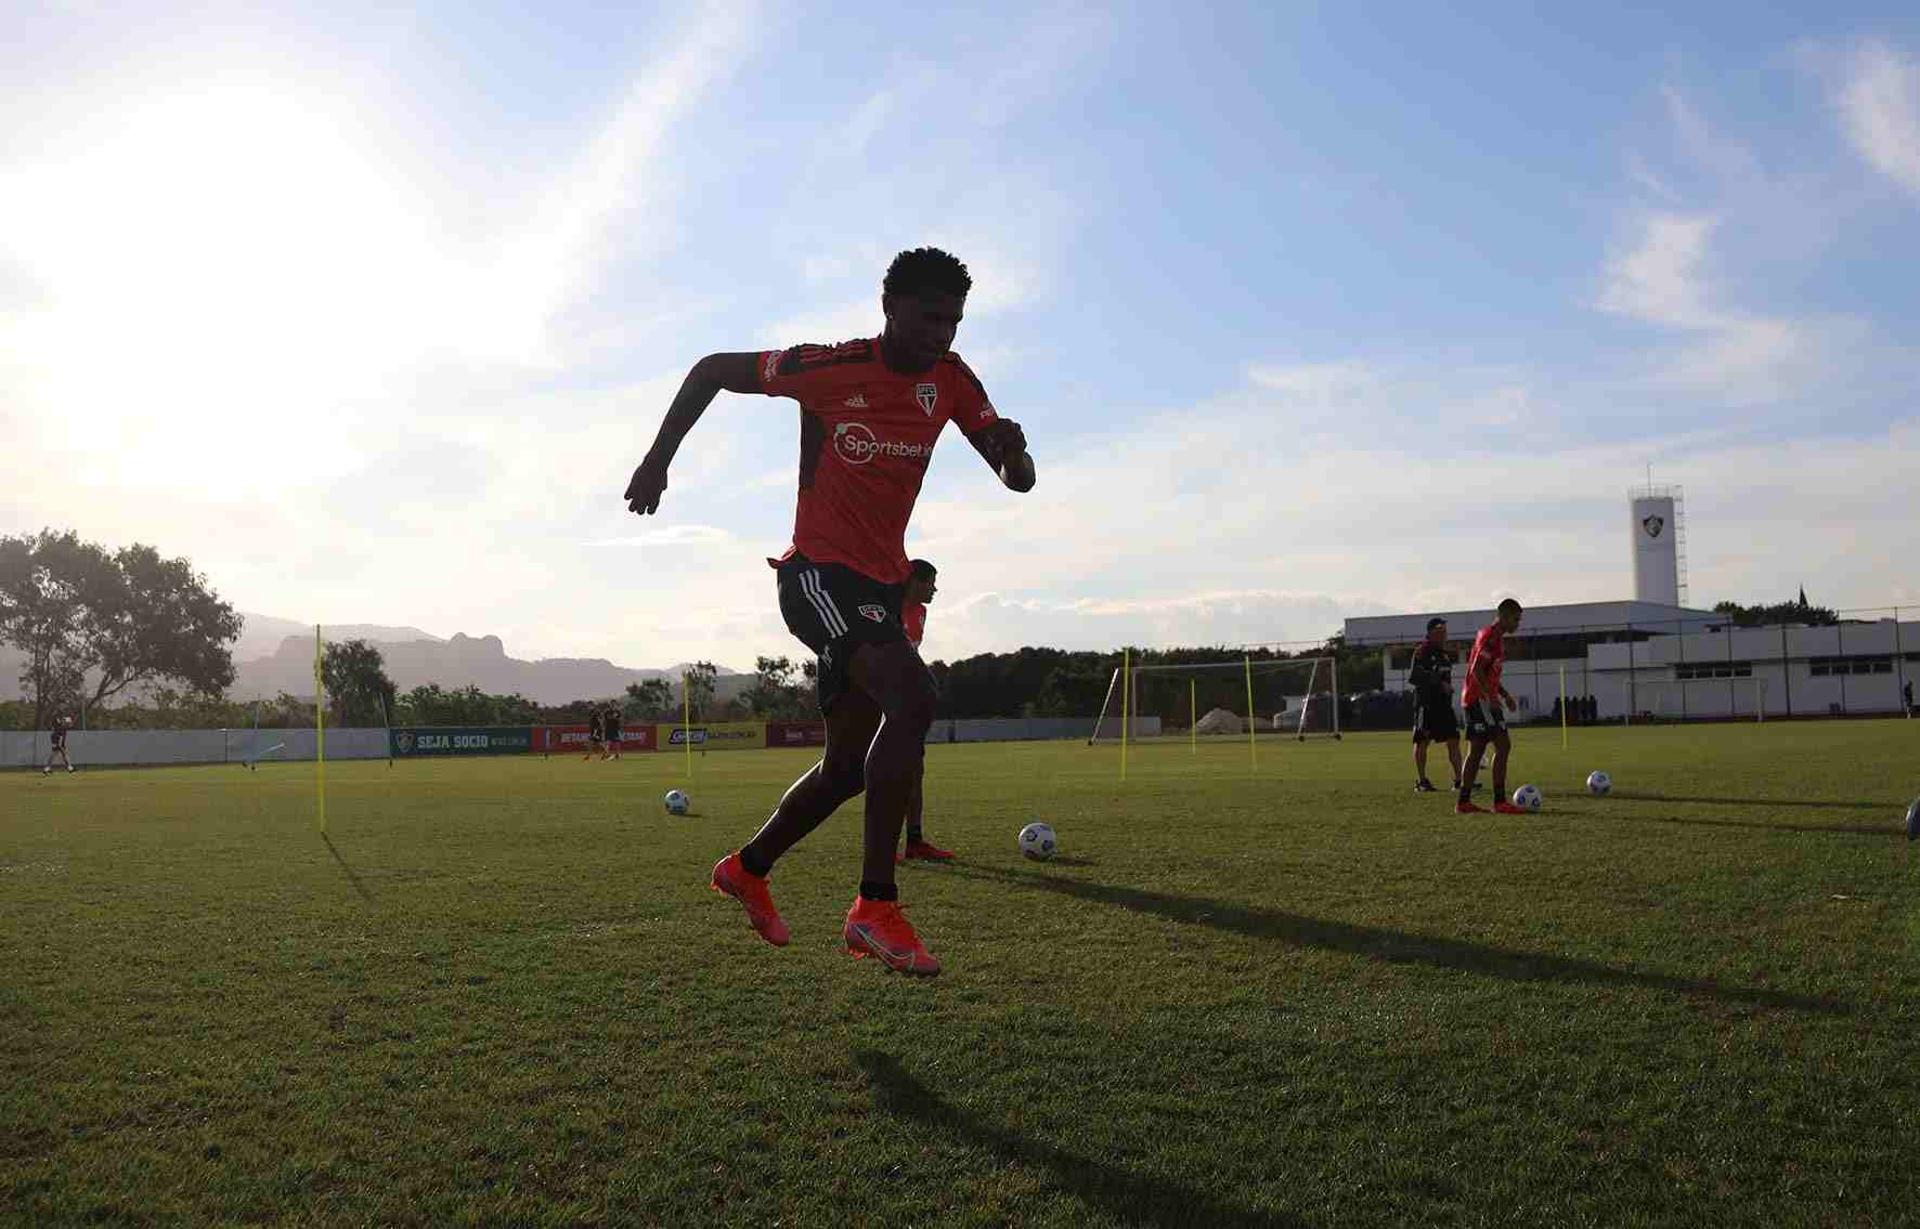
x: 866, y: 438
x: 913, y: 617
x: 1489, y: 654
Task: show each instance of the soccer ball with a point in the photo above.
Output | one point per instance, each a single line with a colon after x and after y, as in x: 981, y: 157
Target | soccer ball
x: 1037, y: 842
x: 1599, y: 784
x: 1528, y: 798
x: 678, y: 803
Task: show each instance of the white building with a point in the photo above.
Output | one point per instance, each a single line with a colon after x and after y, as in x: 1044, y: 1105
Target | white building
x: 1643, y: 658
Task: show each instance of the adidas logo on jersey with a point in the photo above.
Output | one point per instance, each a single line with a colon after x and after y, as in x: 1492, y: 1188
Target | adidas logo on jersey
x: 856, y: 402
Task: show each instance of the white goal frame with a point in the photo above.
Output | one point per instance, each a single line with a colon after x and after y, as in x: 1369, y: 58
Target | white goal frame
x: 1705, y: 699
x: 1106, y: 727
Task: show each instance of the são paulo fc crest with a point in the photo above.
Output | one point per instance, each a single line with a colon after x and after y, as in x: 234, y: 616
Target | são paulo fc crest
x: 1653, y: 525
x: 928, y: 394
x: 877, y: 613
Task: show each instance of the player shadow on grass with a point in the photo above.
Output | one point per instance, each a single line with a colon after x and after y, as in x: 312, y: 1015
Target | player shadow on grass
x: 1822, y: 803
x: 1124, y: 1196
x: 1399, y: 946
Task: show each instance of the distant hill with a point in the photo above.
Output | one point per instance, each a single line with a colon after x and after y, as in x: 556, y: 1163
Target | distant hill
x: 276, y: 655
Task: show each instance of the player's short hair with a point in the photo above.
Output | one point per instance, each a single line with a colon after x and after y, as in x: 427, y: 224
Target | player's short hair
x: 1509, y: 606
x: 922, y: 570
x: 927, y: 271
x: 1435, y: 621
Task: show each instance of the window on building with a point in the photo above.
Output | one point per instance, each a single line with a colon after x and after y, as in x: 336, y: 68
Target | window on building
x: 1713, y: 670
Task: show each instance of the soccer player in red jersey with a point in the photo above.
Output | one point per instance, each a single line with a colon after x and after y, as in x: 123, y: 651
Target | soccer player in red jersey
x: 870, y: 412
x: 1482, y: 697
x: 922, y: 584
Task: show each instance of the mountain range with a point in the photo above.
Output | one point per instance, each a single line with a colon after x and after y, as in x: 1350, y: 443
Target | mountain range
x: 275, y: 655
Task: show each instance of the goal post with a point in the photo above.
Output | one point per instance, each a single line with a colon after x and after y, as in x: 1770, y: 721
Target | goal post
x: 1704, y: 699
x: 1195, y: 701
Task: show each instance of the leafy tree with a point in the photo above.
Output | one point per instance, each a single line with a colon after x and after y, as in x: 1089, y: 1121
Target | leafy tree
x: 775, y: 694
x: 651, y: 700
x: 1797, y: 611
x: 124, y: 618
x: 358, y: 689
x: 697, y: 685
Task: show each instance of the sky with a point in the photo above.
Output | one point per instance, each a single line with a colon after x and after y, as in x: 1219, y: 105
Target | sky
x: 1308, y: 310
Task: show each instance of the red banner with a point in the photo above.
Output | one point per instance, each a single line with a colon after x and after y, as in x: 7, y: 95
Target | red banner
x: 796, y: 733
x: 561, y: 739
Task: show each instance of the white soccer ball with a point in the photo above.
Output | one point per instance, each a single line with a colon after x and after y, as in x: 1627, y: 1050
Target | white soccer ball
x: 1599, y: 784
x: 678, y: 803
x: 1037, y: 842
x: 1528, y: 798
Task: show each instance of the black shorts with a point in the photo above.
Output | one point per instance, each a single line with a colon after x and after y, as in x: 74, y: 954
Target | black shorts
x: 1433, y: 721
x: 1485, y: 719
x: 834, y: 609
x: 613, y: 734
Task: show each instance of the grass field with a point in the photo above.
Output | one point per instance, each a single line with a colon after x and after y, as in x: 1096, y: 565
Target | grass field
x: 502, y: 993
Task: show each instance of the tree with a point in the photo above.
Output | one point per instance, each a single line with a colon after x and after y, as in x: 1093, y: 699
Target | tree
x: 651, y: 700
x: 775, y: 695
x: 697, y: 686
x: 125, y: 618
x: 357, y: 684
x: 1798, y: 611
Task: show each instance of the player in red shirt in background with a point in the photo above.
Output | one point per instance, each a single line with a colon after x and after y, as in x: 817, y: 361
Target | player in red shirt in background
x: 870, y: 412
x: 921, y: 586
x: 1483, y: 697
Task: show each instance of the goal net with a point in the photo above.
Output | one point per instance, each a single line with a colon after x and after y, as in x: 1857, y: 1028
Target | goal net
x: 1700, y: 699
x: 1296, y: 697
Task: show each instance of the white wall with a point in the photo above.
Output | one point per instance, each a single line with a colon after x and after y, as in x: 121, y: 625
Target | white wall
x: 100, y: 747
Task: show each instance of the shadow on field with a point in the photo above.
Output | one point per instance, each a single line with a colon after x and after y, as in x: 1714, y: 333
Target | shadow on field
x: 1124, y: 1196
x: 1399, y: 946
x: 1883, y: 830
x: 1820, y: 803
x: 351, y: 876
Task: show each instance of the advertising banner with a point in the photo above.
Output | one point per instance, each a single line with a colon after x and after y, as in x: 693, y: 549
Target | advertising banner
x: 796, y: 733
x: 460, y: 740
x: 714, y: 735
x: 560, y: 739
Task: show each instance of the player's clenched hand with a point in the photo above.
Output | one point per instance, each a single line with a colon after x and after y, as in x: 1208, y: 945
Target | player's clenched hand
x: 649, y: 482
x: 1008, y: 440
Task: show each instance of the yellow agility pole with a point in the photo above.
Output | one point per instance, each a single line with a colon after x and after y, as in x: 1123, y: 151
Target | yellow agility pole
x: 1193, y: 717
x: 1253, y: 755
x: 320, y: 727
x: 1126, y: 706
x: 686, y: 720
x: 1563, y: 708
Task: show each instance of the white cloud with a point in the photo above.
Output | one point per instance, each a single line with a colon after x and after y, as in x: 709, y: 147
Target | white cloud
x: 1880, y: 111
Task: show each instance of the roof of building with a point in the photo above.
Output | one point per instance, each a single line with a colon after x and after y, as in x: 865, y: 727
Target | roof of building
x: 1539, y: 621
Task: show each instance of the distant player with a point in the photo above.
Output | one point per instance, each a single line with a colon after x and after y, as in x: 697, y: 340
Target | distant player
x: 611, y: 728
x: 870, y: 413
x: 58, y: 737
x: 1433, y: 721
x: 596, y: 735
x: 921, y: 586
x: 1483, y: 698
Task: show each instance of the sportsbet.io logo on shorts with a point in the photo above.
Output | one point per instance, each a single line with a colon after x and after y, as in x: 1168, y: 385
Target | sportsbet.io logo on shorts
x: 856, y: 444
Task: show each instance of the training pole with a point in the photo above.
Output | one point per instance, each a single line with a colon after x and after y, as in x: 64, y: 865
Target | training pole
x: 686, y: 721
x: 319, y: 728
x: 1563, y: 708
x: 1126, y: 706
x: 1253, y: 755
x: 1193, y: 716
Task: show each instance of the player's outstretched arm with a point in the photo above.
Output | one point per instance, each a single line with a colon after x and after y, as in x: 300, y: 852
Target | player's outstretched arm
x: 734, y: 373
x: 1004, y: 447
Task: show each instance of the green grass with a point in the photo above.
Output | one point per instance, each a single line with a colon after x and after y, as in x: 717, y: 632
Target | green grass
x: 502, y: 993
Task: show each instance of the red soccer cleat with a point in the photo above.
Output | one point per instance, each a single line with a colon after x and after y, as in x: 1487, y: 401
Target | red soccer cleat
x: 924, y: 851
x: 879, y: 928
x: 732, y: 879
x: 1468, y: 808
x: 1507, y: 808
